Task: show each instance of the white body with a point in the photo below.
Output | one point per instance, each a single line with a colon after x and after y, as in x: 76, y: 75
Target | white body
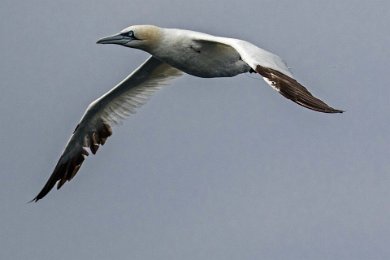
x: 173, y: 52
x: 205, y: 55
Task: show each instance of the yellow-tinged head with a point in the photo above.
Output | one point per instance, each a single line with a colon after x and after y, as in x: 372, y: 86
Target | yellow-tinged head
x: 143, y: 37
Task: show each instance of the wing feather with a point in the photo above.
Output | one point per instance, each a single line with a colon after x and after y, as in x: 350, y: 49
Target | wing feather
x: 110, y: 109
x: 293, y: 90
x: 276, y: 73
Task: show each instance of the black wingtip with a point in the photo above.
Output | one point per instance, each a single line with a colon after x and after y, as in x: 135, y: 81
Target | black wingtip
x: 293, y: 90
x: 67, y: 168
x: 34, y: 200
x: 327, y: 110
x: 40, y: 195
x: 333, y: 111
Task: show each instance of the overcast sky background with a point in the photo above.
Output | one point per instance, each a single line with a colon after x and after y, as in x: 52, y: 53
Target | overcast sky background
x: 208, y: 168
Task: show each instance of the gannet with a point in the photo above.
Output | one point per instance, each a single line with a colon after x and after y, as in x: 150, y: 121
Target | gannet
x: 173, y: 52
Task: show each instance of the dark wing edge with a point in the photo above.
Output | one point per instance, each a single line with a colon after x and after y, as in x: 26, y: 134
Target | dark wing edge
x: 71, y: 161
x: 108, y: 110
x: 293, y: 90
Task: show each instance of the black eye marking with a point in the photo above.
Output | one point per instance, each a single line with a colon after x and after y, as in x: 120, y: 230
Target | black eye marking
x: 129, y: 34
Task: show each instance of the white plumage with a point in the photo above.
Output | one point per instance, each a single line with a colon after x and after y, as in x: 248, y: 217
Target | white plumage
x: 173, y: 52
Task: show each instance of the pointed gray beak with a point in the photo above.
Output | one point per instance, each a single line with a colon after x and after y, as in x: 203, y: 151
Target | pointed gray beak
x: 114, y: 39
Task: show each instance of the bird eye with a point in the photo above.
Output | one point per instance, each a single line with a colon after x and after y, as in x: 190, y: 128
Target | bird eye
x: 129, y: 34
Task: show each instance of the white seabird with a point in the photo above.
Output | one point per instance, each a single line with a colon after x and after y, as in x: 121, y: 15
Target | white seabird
x: 173, y: 52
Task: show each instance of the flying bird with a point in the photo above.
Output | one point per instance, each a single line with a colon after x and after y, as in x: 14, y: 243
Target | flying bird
x: 173, y: 52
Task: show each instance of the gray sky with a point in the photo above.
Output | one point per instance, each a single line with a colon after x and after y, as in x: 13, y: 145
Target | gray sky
x: 208, y: 168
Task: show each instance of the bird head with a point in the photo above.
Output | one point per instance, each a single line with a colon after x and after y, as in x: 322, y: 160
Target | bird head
x: 136, y: 36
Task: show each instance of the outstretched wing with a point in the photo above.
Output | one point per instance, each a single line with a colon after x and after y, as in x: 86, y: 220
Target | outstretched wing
x: 110, y: 109
x: 293, y: 90
x: 275, y: 72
